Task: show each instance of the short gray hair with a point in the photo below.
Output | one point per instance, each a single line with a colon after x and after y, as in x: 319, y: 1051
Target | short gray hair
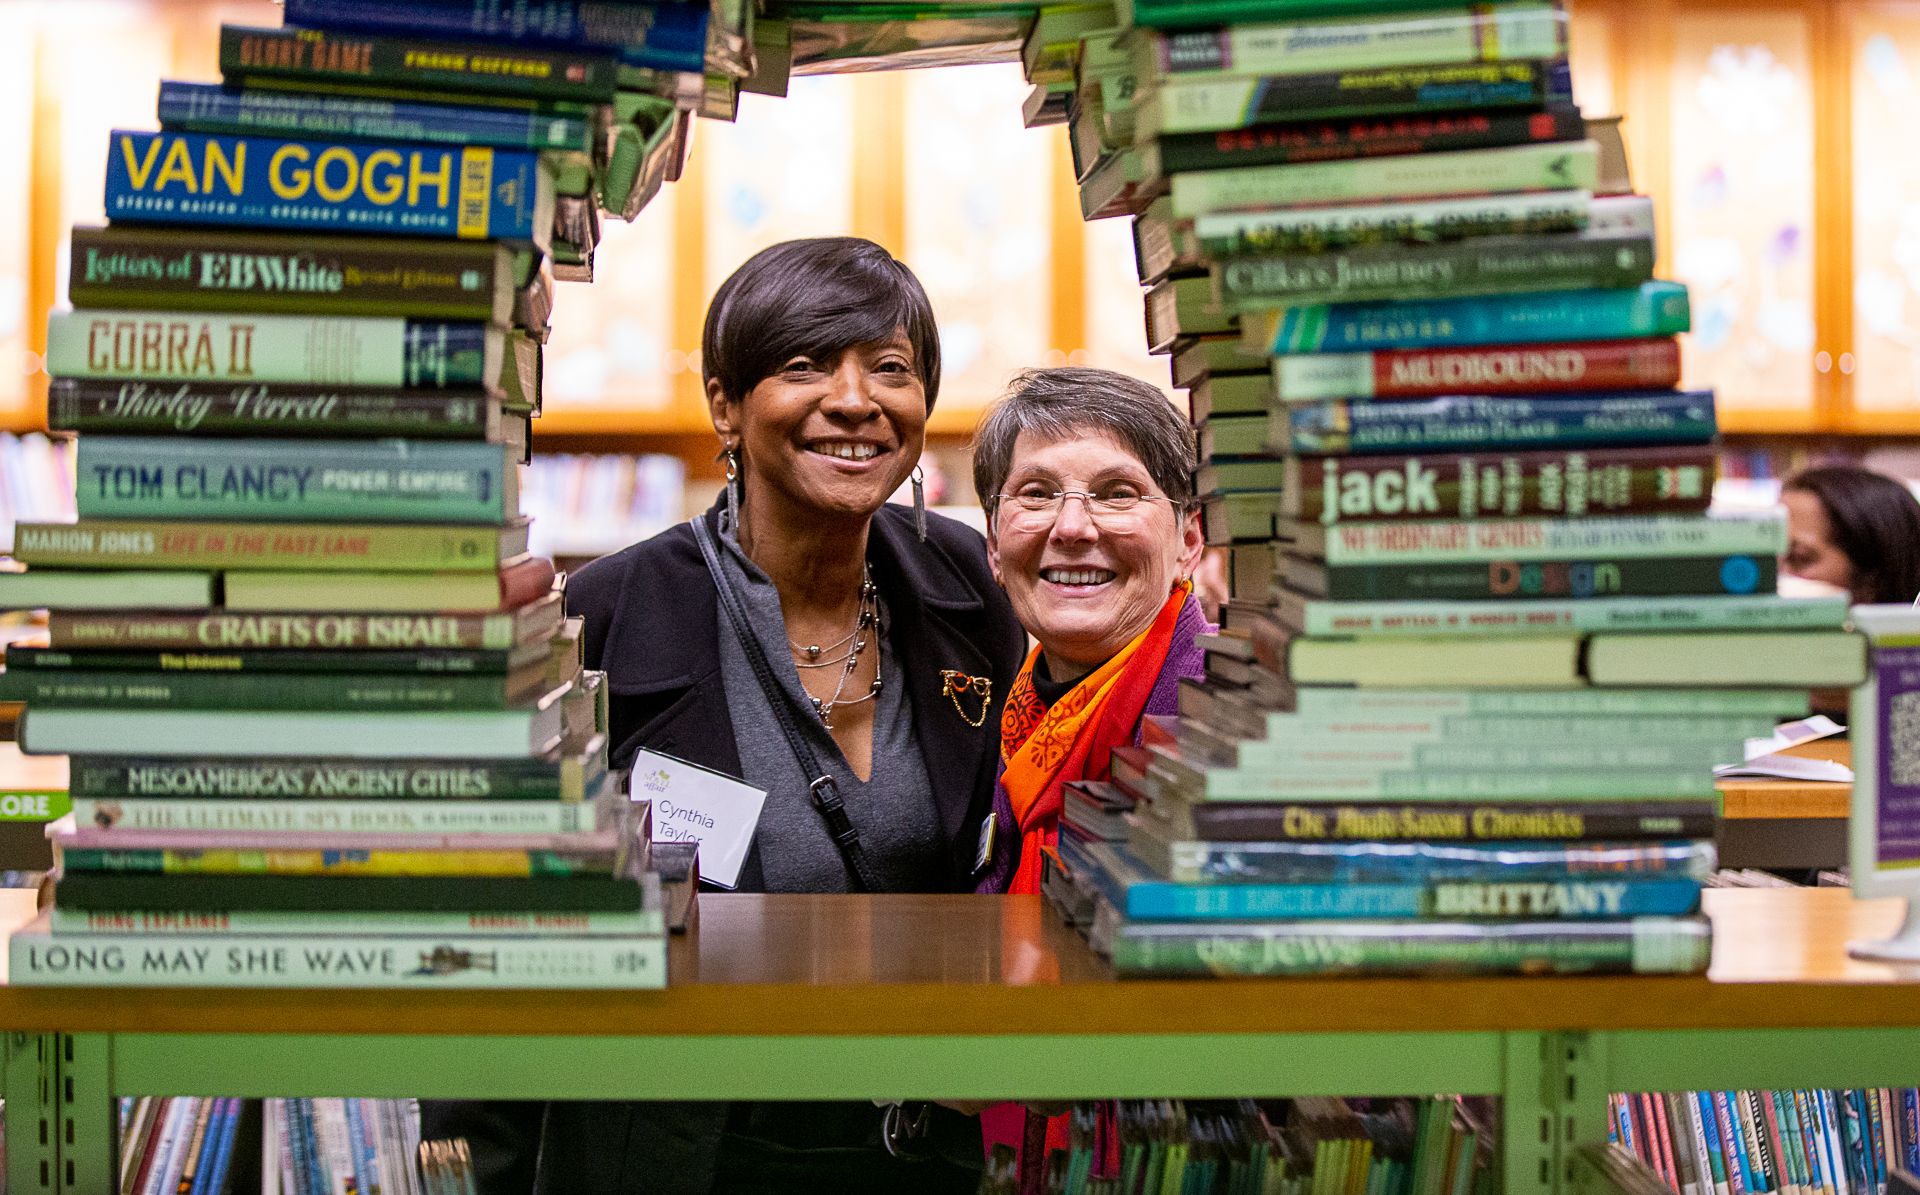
x: 1056, y: 403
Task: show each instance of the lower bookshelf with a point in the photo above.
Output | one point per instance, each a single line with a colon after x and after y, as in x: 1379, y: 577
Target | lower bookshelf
x: 802, y: 997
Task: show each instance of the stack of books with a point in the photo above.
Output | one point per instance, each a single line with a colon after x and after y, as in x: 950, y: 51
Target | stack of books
x: 328, y: 725
x: 1485, y: 641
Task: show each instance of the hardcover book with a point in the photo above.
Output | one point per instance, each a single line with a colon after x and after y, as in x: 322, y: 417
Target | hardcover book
x: 1568, y: 166
x: 376, y: 480
x: 317, y: 547
x: 211, y: 108
x: 472, y: 192
x: 1468, y: 486
x: 336, y: 350
x: 408, y: 61
x: 128, y: 406
x: 226, y: 630
x: 1526, y: 30
x: 1485, y: 423
x: 1176, y: 105
x: 1653, y: 309
x: 1499, y: 369
x: 1365, y: 137
x: 213, y: 270
x: 666, y: 36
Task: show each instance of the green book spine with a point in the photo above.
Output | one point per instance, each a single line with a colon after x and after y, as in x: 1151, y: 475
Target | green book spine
x: 1595, y: 576
x: 1254, y: 784
x: 1777, y: 704
x: 1549, y: 538
x: 1178, y: 105
x: 414, y: 62
x: 1370, y: 41
x: 341, y: 351
x: 245, y: 662
x: 362, y: 960
x: 1365, y: 758
x: 224, y: 630
x: 567, y: 779
x: 209, y: 269
x: 383, y: 817
x: 1200, y: 14
x: 347, y: 894
x: 1653, y: 945
x: 1553, y: 166
x: 1421, y: 619
x: 74, y: 922
x: 1480, y: 266
x: 1323, y: 230
x: 265, y: 691
x: 381, y: 480
x: 308, y: 547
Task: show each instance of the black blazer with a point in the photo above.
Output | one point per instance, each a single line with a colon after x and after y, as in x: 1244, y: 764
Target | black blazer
x: 653, y: 626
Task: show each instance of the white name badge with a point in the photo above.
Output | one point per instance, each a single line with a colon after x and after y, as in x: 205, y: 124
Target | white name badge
x: 693, y: 804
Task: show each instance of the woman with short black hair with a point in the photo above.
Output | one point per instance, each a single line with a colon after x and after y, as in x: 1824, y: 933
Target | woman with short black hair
x: 841, y: 654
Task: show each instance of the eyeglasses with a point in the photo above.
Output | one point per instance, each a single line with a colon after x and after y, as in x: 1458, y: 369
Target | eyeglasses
x: 1115, y: 508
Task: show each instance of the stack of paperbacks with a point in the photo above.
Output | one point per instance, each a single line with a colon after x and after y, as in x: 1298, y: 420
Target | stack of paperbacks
x: 328, y: 725
x: 1486, y: 643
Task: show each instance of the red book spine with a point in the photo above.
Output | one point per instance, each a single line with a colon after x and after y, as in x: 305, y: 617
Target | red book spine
x: 1528, y: 369
x: 1665, y: 1140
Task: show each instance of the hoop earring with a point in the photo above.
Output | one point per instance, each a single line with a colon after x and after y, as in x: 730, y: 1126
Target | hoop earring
x: 920, y: 503
x: 732, y: 458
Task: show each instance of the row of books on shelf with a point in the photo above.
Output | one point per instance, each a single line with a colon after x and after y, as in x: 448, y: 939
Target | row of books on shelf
x: 1441, y: 1145
x: 1486, y: 639
x: 1840, y: 1142
x: 198, y: 1145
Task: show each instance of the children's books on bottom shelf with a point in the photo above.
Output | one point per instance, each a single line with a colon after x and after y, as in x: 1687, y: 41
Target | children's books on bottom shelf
x: 1440, y: 1145
x: 1708, y: 1142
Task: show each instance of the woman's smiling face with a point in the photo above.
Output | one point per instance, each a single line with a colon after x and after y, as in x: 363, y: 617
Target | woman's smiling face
x: 1085, y: 584
x: 834, y: 436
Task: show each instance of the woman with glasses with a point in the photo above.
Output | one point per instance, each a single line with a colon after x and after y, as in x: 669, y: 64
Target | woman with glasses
x: 1087, y: 480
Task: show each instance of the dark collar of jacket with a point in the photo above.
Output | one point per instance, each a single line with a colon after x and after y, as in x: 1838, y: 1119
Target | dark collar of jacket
x: 653, y: 627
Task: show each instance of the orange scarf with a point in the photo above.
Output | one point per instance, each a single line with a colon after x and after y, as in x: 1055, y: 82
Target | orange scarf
x: 1043, y: 747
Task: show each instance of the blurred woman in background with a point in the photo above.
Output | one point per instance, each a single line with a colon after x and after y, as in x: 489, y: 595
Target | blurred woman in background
x: 1854, y: 529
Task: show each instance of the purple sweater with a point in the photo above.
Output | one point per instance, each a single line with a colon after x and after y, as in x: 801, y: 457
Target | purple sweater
x: 1185, y: 658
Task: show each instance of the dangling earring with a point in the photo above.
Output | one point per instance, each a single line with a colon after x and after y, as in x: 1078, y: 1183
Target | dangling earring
x: 920, y: 503
x: 732, y: 457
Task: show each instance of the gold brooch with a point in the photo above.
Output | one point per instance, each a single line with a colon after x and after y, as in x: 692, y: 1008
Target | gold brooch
x: 953, y: 684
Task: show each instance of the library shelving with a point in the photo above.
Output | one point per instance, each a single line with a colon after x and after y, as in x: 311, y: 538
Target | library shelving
x: 816, y: 997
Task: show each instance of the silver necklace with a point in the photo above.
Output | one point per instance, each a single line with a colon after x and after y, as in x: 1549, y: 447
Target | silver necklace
x: 867, y: 620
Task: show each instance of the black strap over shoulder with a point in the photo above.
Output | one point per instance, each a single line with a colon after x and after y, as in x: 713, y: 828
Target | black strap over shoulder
x: 823, y: 791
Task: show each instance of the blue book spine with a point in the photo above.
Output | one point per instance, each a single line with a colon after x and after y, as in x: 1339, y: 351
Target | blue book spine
x: 1806, y: 1110
x: 299, y: 1145
x: 1880, y: 1127
x: 379, y: 480
x: 1911, y: 1121
x: 1623, y: 1122
x: 209, y: 1140
x: 1740, y: 1176
x: 473, y: 192
x: 211, y: 108
x: 1567, y: 898
x: 229, y: 1135
x: 663, y: 36
x: 1484, y: 423
x: 366, y: 1171
x: 1717, y: 1158
x: 1651, y: 309
x: 1847, y: 1121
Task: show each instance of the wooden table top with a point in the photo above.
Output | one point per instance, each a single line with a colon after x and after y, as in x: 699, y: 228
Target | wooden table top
x: 1741, y: 799
x: 966, y: 965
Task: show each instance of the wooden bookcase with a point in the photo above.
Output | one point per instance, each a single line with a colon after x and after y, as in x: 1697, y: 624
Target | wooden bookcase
x: 850, y: 997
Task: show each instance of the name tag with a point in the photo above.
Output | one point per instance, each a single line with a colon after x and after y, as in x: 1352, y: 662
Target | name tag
x: 693, y: 804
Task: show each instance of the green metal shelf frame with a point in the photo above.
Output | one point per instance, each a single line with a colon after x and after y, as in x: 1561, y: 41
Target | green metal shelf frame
x: 60, y: 1087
